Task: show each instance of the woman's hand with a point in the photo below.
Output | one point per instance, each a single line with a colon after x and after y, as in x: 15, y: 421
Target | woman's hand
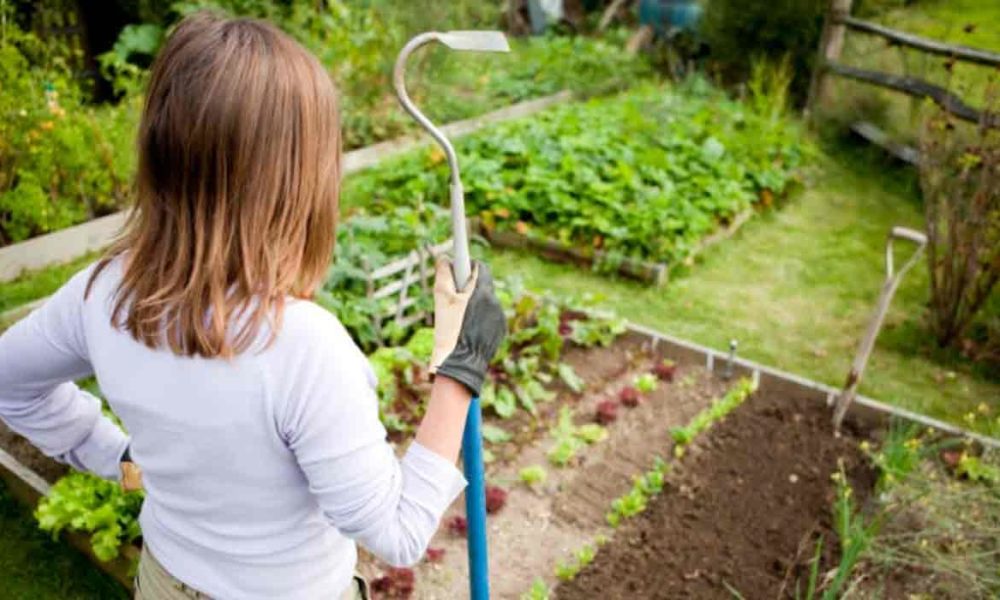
x: 468, y: 326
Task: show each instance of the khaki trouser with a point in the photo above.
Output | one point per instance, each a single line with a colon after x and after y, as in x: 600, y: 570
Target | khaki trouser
x: 154, y: 583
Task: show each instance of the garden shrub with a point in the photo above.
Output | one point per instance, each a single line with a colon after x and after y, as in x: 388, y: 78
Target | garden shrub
x: 739, y: 31
x: 61, y: 161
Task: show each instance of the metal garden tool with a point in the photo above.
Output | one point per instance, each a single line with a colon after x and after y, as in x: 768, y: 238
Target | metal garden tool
x: 472, y: 442
x: 889, y: 286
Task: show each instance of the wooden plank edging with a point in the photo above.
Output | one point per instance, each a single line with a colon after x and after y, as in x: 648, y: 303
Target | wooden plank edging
x: 59, y: 246
x: 640, y: 270
x: 72, y: 242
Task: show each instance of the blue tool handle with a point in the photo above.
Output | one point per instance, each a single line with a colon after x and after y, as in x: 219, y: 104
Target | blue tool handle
x: 475, y: 503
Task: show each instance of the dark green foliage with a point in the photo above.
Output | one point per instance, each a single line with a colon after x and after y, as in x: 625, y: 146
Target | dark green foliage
x: 739, y: 31
x: 61, y: 161
x: 33, y: 566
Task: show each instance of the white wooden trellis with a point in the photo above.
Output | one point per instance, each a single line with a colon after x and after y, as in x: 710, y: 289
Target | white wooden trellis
x: 407, y: 279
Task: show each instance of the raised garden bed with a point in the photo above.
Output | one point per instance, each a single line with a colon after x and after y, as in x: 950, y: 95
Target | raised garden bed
x: 742, y: 506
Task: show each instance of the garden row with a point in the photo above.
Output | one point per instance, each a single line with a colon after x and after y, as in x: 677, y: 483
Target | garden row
x: 65, y: 160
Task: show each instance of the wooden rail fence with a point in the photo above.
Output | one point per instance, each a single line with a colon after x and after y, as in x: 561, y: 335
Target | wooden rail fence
x: 839, y: 20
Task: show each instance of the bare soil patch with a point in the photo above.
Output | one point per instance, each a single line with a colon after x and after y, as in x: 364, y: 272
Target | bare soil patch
x: 741, y: 512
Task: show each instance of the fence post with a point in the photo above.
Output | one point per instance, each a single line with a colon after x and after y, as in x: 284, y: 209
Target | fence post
x: 831, y: 44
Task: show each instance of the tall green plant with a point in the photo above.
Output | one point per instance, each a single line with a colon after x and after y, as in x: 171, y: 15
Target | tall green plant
x: 739, y: 31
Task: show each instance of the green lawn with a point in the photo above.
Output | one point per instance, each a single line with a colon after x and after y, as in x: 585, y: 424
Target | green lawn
x: 796, y: 287
x: 34, y: 567
x: 33, y: 285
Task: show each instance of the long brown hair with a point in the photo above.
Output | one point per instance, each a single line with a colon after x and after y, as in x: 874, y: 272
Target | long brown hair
x: 236, y: 191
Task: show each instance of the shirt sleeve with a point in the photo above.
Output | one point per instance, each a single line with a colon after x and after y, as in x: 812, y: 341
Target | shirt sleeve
x: 40, y: 356
x: 392, y: 507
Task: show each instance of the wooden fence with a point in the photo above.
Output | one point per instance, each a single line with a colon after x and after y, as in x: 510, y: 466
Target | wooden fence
x: 839, y: 20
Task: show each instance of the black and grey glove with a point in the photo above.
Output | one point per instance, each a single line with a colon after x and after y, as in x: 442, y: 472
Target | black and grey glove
x: 468, y: 326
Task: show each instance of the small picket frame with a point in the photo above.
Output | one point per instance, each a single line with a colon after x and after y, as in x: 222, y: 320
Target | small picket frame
x: 398, y: 279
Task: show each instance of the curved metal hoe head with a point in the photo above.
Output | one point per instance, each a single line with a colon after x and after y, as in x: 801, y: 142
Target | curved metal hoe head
x: 475, y: 41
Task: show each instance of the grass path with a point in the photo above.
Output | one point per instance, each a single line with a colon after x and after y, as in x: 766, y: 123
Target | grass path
x: 34, y: 567
x: 796, y: 287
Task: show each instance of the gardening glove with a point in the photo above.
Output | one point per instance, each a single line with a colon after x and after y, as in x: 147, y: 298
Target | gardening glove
x: 131, y: 473
x: 468, y: 326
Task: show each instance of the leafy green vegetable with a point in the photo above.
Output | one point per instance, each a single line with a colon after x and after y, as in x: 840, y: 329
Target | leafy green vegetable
x: 569, y: 438
x: 647, y: 174
x: 85, y: 502
x: 719, y: 408
x: 570, y: 378
x: 533, y: 475
x: 583, y: 557
x: 643, y: 488
x: 591, y: 433
x: 495, y: 435
x: 646, y: 383
x: 421, y: 344
x: 538, y: 591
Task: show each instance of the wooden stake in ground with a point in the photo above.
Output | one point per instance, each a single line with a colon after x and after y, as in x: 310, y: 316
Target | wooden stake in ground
x: 892, y: 280
x: 609, y: 14
x: 831, y: 44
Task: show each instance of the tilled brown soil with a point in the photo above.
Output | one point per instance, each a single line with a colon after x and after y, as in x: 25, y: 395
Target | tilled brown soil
x: 740, y: 514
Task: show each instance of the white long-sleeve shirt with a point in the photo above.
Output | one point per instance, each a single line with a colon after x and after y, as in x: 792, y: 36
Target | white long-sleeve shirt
x: 260, y: 471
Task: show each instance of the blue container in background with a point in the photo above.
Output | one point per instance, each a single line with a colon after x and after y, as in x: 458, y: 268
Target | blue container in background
x: 667, y: 15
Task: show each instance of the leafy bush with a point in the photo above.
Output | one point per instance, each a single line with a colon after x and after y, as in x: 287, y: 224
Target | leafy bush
x: 61, y: 161
x: 739, y: 31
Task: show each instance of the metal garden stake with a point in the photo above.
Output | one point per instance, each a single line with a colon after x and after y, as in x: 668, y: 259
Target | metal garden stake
x: 472, y: 442
x: 892, y: 280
